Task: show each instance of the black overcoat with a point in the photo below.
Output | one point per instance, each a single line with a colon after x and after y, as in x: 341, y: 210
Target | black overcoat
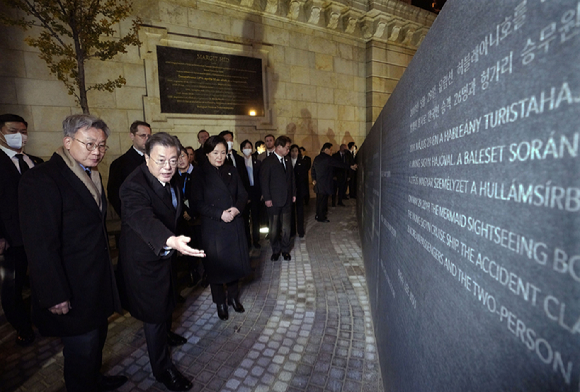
x: 215, y: 190
x: 67, y: 245
x: 322, y: 172
x: 118, y: 172
x: 149, y: 219
x: 277, y: 185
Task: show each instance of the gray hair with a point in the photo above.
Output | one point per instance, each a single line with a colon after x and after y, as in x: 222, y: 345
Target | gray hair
x: 72, y: 124
x: 162, y: 139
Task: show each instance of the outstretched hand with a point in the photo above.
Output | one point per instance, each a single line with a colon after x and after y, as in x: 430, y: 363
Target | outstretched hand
x: 180, y: 245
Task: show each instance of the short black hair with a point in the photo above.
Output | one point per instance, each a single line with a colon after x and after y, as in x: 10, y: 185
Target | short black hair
x: 226, y: 132
x: 212, y: 142
x: 259, y: 143
x: 242, y: 144
x: 350, y: 145
x: 302, y: 149
x: 325, y: 146
x: 133, y: 128
x: 296, y: 146
x: 11, y: 118
x: 282, y: 141
x: 162, y: 139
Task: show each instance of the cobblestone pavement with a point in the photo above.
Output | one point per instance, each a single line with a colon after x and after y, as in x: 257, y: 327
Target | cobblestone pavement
x: 307, y: 327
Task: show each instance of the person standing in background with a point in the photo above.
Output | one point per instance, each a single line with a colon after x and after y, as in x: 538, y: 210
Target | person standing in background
x: 200, y: 157
x: 139, y: 132
x: 252, y: 211
x: 279, y: 192
x: 301, y: 167
x: 269, y: 142
x: 13, y: 164
x: 63, y: 209
x: 352, y: 183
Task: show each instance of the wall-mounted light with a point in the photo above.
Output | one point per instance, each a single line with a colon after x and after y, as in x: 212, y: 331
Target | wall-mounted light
x: 252, y: 112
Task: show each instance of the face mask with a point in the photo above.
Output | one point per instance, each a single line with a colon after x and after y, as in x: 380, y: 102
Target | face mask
x: 230, y: 146
x: 16, y: 140
x: 247, y: 151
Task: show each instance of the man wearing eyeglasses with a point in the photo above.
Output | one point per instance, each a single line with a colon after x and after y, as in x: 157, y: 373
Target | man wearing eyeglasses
x: 151, y: 204
x: 63, y: 209
x: 139, y: 132
x: 13, y: 163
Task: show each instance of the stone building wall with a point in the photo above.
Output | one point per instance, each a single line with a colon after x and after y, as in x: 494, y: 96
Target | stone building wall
x: 330, y: 67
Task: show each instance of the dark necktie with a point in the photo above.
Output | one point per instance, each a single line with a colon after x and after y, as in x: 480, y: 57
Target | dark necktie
x: 171, y: 195
x: 283, y: 164
x: 22, y: 163
x: 229, y: 160
x: 88, y: 171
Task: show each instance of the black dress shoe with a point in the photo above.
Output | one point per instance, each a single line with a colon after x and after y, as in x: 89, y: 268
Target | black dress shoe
x: 222, y: 310
x: 175, y: 381
x: 25, y: 337
x: 110, y: 383
x: 286, y: 256
x: 257, y: 245
x: 237, y: 305
x: 275, y: 256
x: 174, y: 340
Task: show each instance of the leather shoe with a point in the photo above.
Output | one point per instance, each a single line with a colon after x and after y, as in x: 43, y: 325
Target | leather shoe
x: 25, y: 337
x: 256, y: 245
x: 275, y: 256
x: 110, y: 383
x: 237, y: 305
x: 222, y: 310
x: 174, y: 340
x: 286, y: 256
x: 175, y: 381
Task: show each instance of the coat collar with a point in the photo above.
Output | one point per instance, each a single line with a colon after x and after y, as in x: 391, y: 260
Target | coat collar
x: 159, y: 189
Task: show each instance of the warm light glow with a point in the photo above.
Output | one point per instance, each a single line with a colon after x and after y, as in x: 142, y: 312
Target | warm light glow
x: 264, y: 230
x: 252, y: 112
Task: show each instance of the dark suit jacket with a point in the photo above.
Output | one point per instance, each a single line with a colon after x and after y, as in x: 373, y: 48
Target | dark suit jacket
x: 301, y: 174
x: 241, y: 167
x: 277, y: 185
x: 118, y: 172
x: 200, y: 156
x: 9, y: 179
x: 149, y: 219
x: 225, y: 244
x: 254, y: 193
x: 340, y: 172
x: 67, y: 245
x: 322, y: 172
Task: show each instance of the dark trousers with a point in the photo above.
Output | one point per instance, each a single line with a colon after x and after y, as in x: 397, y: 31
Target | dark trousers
x: 156, y: 337
x: 298, y: 217
x: 13, y: 271
x: 321, y: 206
x: 280, y: 222
x: 83, y: 356
x: 339, y: 188
x: 218, y: 293
x: 252, y: 216
x: 352, y: 186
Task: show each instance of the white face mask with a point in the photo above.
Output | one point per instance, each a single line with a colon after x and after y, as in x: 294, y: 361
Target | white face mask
x: 230, y: 146
x: 247, y: 151
x: 16, y: 140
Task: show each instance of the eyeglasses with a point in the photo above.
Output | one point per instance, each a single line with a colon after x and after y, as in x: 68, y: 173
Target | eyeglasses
x: 163, y: 162
x: 93, y: 146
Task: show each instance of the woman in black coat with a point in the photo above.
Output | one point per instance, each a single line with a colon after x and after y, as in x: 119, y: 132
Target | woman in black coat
x: 219, y: 197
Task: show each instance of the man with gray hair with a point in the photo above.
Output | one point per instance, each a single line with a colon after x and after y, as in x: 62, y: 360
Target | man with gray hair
x: 62, y: 214
x: 151, y: 205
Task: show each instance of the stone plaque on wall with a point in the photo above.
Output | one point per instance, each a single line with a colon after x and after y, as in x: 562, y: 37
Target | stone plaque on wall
x: 196, y: 82
x: 477, y: 276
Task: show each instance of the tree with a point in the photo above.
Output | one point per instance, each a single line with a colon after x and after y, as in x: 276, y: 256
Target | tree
x: 72, y: 32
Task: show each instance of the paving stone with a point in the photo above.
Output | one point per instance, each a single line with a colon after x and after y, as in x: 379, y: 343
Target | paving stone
x: 307, y: 327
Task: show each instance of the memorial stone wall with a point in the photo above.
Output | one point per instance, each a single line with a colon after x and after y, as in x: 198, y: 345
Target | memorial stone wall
x: 470, y: 204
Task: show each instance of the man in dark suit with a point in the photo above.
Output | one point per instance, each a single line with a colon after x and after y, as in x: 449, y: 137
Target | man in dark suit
x: 121, y: 167
x: 200, y: 157
x: 352, y: 182
x: 341, y: 175
x: 13, y: 163
x: 301, y: 167
x: 307, y: 162
x: 233, y: 159
x: 63, y: 209
x: 269, y: 143
x: 151, y: 206
x: 279, y: 191
x: 322, y: 172
x: 253, y: 166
